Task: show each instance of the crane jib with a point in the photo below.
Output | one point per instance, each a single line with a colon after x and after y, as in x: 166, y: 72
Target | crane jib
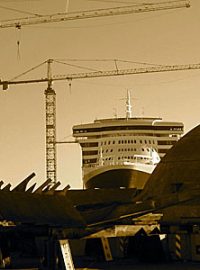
x: 87, y: 14
x: 106, y: 73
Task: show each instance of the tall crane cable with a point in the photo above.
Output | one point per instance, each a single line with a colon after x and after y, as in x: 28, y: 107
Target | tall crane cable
x: 67, y: 6
x: 20, y: 11
x: 31, y: 69
x: 82, y: 67
x: 103, y: 60
x: 18, y: 42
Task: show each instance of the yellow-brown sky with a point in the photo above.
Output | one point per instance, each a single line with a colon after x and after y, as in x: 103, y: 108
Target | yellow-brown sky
x: 164, y: 37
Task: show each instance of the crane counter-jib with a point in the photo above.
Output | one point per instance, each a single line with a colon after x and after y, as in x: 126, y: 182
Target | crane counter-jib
x: 107, y: 73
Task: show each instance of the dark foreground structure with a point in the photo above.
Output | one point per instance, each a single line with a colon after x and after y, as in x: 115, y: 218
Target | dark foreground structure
x: 40, y: 228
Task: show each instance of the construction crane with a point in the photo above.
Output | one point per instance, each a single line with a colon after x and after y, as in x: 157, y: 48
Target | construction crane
x: 49, y: 92
x: 51, y: 99
x: 59, y: 17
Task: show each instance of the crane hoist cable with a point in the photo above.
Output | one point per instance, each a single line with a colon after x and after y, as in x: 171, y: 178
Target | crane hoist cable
x: 18, y: 42
x: 67, y: 6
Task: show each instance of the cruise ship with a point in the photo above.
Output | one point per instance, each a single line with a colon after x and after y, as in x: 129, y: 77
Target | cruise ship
x: 123, y: 152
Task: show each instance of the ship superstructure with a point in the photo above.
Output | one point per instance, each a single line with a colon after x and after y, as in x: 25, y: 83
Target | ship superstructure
x: 123, y: 152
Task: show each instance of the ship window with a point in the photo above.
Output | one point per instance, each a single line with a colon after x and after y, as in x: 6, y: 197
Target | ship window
x: 89, y: 144
x: 119, y: 141
x: 113, y: 142
x: 108, y: 142
x: 106, y: 150
x: 145, y: 141
x: 111, y: 150
x: 149, y: 142
x: 140, y: 141
x: 135, y: 141
x: 166, y: 142
x: 143, y: 149
x: 125, y: 141
x: 135, y: 149
x: 93, y: 152
x: 87, y: 161
x: 128, y: 141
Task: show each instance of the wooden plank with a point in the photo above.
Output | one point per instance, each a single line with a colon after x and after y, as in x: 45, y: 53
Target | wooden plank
x: 67, y: 256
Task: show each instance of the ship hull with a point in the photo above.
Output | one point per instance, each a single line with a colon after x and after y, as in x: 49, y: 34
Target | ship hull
x: 118, y: 177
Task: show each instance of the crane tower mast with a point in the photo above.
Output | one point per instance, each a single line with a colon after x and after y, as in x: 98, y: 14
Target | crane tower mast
x: 50, y: 97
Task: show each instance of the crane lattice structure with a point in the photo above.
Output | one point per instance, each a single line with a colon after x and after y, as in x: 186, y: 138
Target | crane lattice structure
x: 51, y: 99
x: 59, y: 17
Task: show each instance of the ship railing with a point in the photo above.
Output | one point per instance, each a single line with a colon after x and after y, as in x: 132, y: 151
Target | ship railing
x: 139, y: 159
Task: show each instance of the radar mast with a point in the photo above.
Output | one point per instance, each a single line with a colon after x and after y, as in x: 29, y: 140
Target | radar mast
x: 128, y: 105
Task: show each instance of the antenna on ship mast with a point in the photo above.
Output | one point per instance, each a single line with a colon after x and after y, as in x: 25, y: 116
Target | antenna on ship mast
x: 128, y: 105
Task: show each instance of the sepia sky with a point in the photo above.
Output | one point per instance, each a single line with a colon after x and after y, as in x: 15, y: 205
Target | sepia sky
x: 161, y: 38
